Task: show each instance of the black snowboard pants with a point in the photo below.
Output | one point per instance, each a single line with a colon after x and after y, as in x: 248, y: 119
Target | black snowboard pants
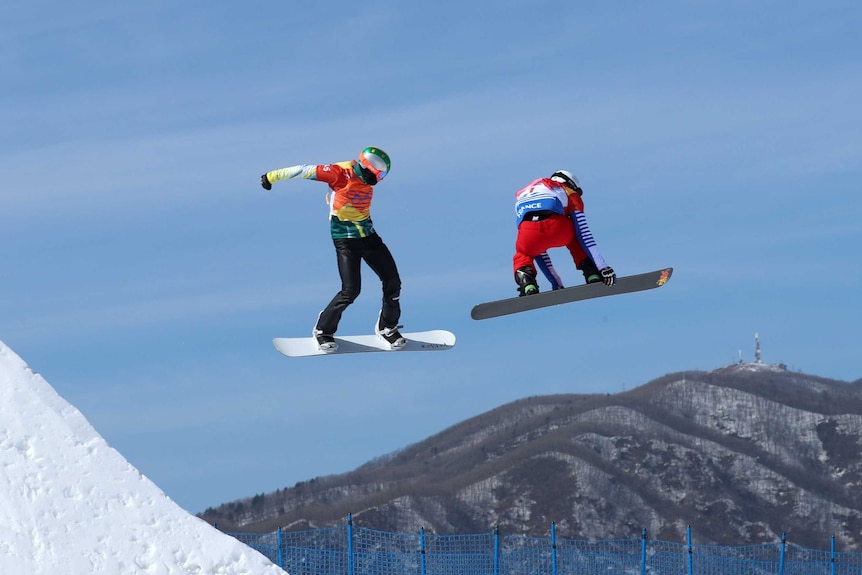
x: 350, y: 253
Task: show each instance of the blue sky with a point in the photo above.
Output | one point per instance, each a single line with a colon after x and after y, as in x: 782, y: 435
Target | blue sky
x: 145, y: 272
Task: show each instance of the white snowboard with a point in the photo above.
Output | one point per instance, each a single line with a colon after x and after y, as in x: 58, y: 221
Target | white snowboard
x: 434, y: 340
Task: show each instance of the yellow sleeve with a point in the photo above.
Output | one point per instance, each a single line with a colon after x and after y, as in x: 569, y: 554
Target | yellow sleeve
x: 307, y: 171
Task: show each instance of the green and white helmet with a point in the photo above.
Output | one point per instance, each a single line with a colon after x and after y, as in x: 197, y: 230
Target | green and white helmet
x: 375, y: 161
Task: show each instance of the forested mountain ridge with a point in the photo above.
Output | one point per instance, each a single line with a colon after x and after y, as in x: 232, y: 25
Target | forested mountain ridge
x: 742, y: 454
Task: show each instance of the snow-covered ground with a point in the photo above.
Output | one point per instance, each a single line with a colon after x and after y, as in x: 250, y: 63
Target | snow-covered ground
x: 71, y: 504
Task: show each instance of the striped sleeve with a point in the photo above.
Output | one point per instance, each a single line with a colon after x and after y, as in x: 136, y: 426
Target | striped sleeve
x: 585, y: 237
x: 543, y: 262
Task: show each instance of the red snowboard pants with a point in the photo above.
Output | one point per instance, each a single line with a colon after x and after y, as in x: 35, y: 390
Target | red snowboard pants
x: 537, y: 237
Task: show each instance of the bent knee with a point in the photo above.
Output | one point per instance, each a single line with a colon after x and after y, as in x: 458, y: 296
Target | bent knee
x: 349, y: 294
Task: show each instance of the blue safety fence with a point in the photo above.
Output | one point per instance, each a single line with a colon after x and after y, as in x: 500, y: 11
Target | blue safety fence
x: 351, y: 550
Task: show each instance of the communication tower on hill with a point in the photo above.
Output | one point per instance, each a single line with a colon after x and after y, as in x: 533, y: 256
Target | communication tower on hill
x: 757, y: 349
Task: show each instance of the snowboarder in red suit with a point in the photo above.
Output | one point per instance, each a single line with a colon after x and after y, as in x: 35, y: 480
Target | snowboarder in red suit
x: 550, y: 213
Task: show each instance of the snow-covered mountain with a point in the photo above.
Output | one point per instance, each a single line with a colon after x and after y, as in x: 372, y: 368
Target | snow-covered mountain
x: 742, y: 454
x: 69, y: 503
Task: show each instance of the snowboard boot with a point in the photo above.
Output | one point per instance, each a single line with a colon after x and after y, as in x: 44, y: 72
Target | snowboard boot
x: 325, y: 341
x: 390, y: 334
x: 590, y: 271
x: 526, y: 278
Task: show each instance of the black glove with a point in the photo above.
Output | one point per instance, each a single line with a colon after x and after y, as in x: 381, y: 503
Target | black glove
x: 264, y: 181
x: 608, y: 276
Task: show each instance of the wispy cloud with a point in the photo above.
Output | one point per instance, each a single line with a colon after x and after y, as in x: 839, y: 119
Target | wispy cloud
x: 720, y: 139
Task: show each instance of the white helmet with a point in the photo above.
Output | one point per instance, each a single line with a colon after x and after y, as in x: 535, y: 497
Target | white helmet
x: 567, y: 179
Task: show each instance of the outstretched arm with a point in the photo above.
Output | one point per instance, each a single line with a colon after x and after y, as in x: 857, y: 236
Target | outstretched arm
x: 307, y: 171
x: 585, y: 237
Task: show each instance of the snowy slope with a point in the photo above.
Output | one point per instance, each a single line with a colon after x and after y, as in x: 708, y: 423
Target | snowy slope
x: 69, y: 503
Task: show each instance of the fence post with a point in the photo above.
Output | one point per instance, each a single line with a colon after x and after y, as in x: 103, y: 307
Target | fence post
x: 690, y: 551
x: 833, y: 556
x: 349, y: 544
x: 643, y: 551
x: 280, y: 543
x: 497, y: 550
x: 422, y: 551
x: 553, y: 548
x: 783, y: 550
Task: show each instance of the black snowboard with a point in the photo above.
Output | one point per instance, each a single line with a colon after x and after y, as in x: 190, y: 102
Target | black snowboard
x: 626, y: 284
